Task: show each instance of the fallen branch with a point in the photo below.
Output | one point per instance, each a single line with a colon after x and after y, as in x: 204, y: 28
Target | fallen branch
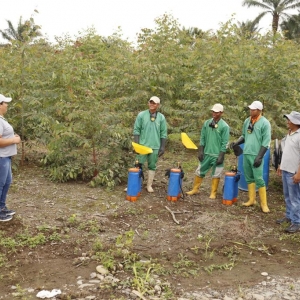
x: 173, y: 216
x: 181, y: 212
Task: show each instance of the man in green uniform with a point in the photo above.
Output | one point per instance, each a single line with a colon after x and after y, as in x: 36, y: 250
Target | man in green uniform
x: 256, y: 137
x: 150, y: 129
x: 213, y: 143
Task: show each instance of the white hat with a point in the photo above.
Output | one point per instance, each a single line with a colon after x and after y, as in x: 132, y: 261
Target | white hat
x: 155, y: 99
x: 256, y: 105
x: 294, y: 117
x: 217, y: 108
x: 4, y: 99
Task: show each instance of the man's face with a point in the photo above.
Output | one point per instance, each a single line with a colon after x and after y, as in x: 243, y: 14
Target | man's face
x: 3, y: 108
x: 217, y: 115
x: 152, y: 105
x: 254, y: 113
x: 291, y: 126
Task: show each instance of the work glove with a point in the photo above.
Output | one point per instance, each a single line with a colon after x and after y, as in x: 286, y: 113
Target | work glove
x: 201, y: 153
x: 220, y: 158
x: 161, y: 150
x: 136, y: 139
x: 259, y: 157
x: 240, y: 141
x: 235, y: 146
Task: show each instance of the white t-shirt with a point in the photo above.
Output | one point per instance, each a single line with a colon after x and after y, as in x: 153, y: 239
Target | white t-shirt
x: 6, y: 132
x: 290, y: 159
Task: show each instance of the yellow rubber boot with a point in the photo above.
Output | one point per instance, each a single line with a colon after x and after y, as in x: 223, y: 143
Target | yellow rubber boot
x: 263, y: 199
x: 214, y: 188
x: 197, y: 183
x: 252, y: 195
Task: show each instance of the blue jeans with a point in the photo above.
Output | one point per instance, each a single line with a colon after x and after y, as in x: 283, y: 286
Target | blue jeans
x: 5, y: 179
x: 291, y: 192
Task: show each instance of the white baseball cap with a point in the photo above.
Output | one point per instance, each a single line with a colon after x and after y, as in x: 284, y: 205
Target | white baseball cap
x: 217, y: 108
x: 256, y: 105
x: 155, y: 99
x: 4, y: 99
x: 294, y: 117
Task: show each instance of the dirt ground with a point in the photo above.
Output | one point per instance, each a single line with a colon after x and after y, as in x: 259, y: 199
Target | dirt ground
x: 213, y: 245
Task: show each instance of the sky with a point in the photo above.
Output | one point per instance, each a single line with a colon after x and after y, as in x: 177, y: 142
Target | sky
x: 61, y: 17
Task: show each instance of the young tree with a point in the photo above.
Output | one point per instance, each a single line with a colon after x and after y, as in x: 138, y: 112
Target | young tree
x: 277, y: 8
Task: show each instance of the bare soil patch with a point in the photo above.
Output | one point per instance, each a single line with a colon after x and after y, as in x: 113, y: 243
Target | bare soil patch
x: 216, y: 246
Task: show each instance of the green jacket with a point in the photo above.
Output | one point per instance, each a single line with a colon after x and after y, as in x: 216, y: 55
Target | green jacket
x: 214, y: 140
x: 260, y: 136
x: 150, y: 132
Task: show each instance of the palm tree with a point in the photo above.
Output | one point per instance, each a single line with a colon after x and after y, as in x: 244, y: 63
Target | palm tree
x: 249, y: 28
x: 276, y: 8
x: 194, y: 32
x: 291, y: 27
x: 22, y: 32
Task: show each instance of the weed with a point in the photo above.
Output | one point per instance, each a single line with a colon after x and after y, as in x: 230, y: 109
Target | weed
x: 73, y: 220
x: 145, y: 235
x: 133, y: 211
x: 3, y: 260
x: 97, y: 246
x: 207, y: 240
x: 55, y: 237
x: 125, y: 240
x: 195, y: 249
x: 92, y: 226
x: 153, y: 217
x: 20, y: 292
x: 227, y: 266
x: 183, y: 262
x: 141, y: 280
x: 107, y: 259
x: 32, y: 241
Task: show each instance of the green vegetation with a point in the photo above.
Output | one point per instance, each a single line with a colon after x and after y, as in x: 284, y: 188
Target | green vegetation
x: 74, y: 103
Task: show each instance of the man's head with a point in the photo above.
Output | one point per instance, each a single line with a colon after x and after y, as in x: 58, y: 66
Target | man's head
x: 217, y: 111
x: 293, y: 120
x: 4, y: 99
x: 3, y: 104
x: 255, y: 108
x: 153, y: 104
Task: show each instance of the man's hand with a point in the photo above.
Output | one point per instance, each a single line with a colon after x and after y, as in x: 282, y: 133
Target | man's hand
x: 257, y: 162
x: 161, y: 150
x: 259, y: 157
x: 296, y: 177
x: 220, y: 159
x: 240, y: 141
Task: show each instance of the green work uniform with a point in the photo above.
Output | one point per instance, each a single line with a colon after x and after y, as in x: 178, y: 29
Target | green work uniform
x: 151, y: 130
x: 259, y: 137
x: 215, y: 140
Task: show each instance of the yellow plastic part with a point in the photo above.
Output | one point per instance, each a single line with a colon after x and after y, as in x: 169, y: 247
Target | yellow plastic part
x: 140, y: 149
x: 187, y: 142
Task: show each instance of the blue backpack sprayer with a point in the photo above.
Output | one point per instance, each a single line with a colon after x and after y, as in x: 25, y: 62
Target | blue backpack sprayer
x: 175, y: 183
x: 231, y: 188
x: 230, y: 192
x: 135, y: 181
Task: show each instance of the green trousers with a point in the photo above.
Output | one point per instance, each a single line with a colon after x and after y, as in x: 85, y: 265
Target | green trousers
x: 151, y: 159
x: 253, y: 174
x: 209, y: 163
